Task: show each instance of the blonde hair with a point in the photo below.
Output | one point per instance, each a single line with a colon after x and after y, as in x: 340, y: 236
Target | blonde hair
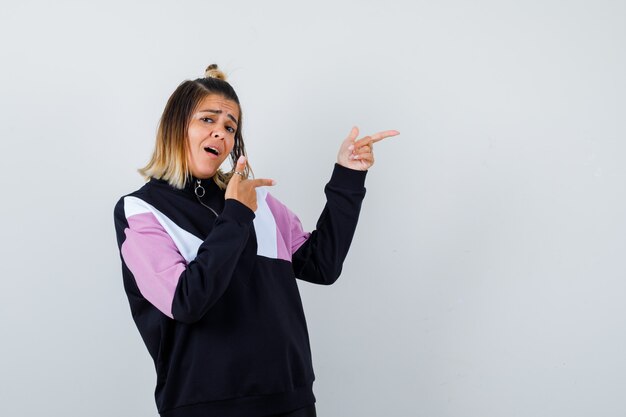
x: 169, y: 159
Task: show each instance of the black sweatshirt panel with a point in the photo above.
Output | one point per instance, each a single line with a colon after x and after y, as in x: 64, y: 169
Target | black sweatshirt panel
x: 235, y: 341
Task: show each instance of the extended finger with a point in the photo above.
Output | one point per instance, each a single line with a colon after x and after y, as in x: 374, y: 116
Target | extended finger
x: 261, y: 182
x: 376, y: 137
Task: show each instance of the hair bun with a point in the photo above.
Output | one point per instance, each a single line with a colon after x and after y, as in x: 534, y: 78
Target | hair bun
x: 212, y: 71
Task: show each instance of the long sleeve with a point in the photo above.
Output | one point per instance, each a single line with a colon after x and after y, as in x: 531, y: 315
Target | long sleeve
x: 181, y: 283
x: 319, y: 258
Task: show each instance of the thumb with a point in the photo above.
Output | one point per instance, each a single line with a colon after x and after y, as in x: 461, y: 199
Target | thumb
x: 240, y: 167
x: 354, y: 133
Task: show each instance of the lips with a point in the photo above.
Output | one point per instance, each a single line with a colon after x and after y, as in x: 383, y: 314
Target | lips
x: 212, y: 150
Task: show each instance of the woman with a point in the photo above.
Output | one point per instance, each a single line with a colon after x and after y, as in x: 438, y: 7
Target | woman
x: 209, y: 262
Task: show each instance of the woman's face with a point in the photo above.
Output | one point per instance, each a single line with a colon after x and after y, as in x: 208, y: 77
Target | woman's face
x: 211, y: 134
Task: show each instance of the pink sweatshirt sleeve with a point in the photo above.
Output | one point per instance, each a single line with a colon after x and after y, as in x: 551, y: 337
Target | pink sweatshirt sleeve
x: 154, y: 260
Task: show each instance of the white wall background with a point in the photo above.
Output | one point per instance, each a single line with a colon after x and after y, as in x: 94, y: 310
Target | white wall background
x: 487, y: 277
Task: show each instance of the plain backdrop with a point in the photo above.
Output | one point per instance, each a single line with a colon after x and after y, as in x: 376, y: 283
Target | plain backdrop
x: 487, y: 275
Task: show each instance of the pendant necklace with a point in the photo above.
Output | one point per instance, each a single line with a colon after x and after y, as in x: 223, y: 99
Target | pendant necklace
x: 199, y: 191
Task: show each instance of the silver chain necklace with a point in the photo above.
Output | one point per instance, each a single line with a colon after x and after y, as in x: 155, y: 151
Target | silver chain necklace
x: 200, y: 191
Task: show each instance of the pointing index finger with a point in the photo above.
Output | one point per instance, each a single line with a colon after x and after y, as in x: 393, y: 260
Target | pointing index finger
x: 377, y: 137
x: 262, y: 182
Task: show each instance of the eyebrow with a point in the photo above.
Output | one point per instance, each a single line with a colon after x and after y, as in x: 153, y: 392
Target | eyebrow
x: 230, y: 116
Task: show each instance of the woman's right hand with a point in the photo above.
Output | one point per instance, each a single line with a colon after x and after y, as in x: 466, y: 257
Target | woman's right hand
x: 244, y: 190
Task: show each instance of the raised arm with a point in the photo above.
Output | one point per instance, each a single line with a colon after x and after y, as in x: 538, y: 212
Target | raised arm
x: 175, y: 271
x: 320, y: 258
x: 182, y: 283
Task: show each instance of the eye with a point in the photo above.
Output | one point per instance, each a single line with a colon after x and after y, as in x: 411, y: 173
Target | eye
x: 206, y: 119
x: 230, y: 129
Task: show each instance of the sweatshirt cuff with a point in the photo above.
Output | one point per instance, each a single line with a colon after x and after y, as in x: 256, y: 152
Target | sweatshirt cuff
x: 237, y: 211
x: 348, y: 178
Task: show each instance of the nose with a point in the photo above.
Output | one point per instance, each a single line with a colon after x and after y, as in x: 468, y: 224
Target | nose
x: 218, y: 134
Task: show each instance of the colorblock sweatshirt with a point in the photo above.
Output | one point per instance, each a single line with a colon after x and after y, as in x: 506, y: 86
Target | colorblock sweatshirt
x: 215, y: 297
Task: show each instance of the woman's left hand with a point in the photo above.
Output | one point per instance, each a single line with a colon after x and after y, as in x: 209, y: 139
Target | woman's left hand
x: 359, y: 154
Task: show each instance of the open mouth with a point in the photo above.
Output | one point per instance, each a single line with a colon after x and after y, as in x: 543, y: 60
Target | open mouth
x: 212, y: 150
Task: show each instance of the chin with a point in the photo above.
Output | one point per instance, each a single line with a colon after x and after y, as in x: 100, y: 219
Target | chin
x: 204, y: 172
x: 206, y: 175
